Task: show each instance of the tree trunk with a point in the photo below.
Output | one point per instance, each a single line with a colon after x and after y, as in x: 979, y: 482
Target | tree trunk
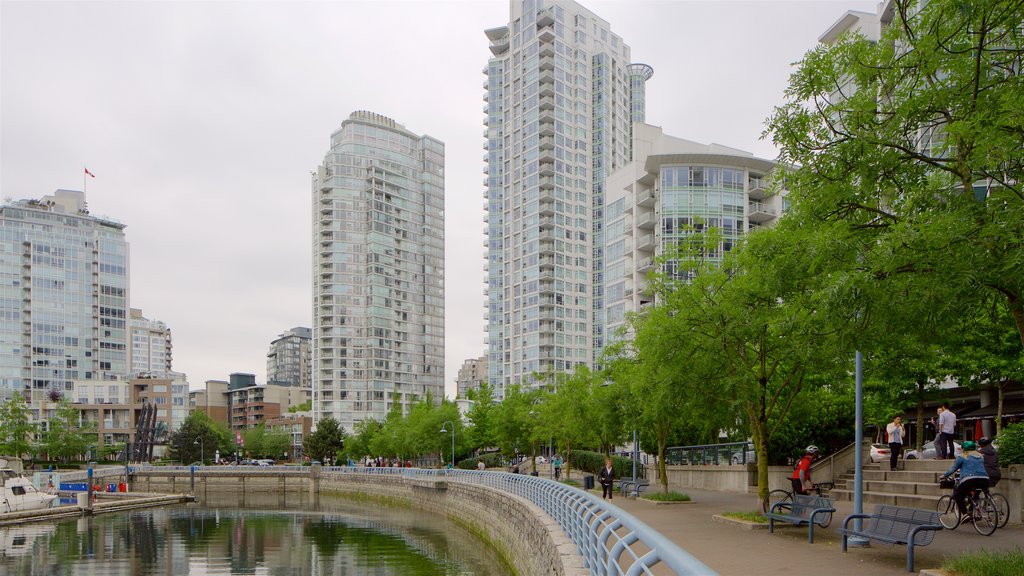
x: 920, y: 416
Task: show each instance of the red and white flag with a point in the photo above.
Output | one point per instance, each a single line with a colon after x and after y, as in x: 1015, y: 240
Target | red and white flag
x: 89, y: 173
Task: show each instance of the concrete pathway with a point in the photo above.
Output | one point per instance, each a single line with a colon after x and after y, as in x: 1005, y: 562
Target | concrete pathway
x: 732, y: 549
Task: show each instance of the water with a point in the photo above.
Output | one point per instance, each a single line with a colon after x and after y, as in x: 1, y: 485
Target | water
x: 243, y: 534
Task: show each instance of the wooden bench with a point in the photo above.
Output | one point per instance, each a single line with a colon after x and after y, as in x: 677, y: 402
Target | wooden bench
x: 808, y: 510
x: 896, y: 525
x: 630, y: 488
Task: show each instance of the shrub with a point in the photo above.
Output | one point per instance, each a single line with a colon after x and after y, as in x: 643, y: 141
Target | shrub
x: 592, y: 462
x: 666, y: 497
x: 1011, y: 444
x: 492, y: 460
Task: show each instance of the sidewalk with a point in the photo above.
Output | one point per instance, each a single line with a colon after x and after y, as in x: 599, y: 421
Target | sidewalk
x: 732, y: 549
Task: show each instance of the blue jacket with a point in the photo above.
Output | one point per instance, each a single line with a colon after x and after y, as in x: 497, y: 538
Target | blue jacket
x: 971, y: 466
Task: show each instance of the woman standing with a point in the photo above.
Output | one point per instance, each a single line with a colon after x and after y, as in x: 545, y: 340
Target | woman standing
x: 606, y: 477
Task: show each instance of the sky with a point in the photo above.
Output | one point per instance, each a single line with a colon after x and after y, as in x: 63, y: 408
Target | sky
x: 203, y: 120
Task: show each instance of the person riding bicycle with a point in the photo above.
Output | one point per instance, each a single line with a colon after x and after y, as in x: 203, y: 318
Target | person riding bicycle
x: 991, y: 457
x: 801, y: 477
x: 972, y: 475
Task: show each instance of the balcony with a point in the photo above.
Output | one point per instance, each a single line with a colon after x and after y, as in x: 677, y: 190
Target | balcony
x: 646, y: 221
x: 757, y: 189
x: 545, y: 247
x: 759, y: 212
x: 645, y: 198
x: 547, y: 103
x: 547, y: 204
x: 645, y: 243
x: 547, y: 222
x: 645, y: 264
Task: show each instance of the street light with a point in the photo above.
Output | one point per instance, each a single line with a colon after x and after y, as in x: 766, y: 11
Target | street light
x: 444, y: 431
x: 202, y: 449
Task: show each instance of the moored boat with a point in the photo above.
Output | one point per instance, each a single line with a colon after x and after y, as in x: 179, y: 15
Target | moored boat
x: 17, y: 493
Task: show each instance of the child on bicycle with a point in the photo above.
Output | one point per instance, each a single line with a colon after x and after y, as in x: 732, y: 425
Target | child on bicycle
x: 972, y: 474
x: 801, y: 477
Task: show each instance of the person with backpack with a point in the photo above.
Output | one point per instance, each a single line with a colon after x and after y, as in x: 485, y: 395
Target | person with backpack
x: 801, y: 477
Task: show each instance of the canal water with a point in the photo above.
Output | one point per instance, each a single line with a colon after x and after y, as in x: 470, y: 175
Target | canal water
x: 245, y: 534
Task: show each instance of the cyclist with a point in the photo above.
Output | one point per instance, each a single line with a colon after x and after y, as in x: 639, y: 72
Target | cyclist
x: 801, y: 477
x: 988, y: 453
x: 972, y: 475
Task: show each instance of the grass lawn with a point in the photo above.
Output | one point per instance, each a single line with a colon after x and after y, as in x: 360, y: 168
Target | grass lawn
x: 986, y: 563
x: 747, y: 516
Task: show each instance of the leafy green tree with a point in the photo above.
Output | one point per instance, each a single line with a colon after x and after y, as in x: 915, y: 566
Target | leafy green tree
x: 16, y: 427
x: 197, y: 438
x: 357, y: 445
x: 68, y: 437
x: 909, y: 147
x: 304, y: 407
x: 481, y: 416
x: 326, y: 441
x: 513, y: 422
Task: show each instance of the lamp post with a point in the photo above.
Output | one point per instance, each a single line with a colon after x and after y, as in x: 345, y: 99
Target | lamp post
x: 444, y: 431
x: 202, y: 449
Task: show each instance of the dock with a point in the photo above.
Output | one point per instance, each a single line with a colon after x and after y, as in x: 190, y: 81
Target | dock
x: 103, y: 503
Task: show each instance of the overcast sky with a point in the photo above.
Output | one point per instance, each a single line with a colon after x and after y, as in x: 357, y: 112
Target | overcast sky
x: 203, y: 120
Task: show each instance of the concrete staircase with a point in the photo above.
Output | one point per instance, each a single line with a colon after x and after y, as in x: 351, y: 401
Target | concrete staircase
x: 916, y: 486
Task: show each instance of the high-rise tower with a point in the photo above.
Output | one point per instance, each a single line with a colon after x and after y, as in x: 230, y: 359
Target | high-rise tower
x: 378, y: 270
x: 63, y: 296
x: 561, y: 96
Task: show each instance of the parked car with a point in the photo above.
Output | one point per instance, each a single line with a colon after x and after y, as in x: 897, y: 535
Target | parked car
x: 265, y: 462
x: 928, y: 451
x: 738, y: 457
x: 879, y: 453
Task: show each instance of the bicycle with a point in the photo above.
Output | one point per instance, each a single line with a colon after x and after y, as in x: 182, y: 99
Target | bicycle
x: 1002, y: 508
x: 786, y: 497
x: 981, y: 510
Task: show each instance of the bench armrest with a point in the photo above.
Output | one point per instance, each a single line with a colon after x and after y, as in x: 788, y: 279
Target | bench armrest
x: 853, y: 516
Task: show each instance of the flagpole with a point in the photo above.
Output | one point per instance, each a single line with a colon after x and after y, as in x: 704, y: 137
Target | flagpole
x: 84, y: 180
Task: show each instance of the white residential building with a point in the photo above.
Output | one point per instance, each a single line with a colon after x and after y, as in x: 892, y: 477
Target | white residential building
x: 378, y: 270
x: 561, y: 94
x: 671, y: 188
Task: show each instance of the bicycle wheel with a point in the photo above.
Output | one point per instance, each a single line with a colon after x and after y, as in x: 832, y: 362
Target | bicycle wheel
x: 1002, y: 507
x: 774, y: 497
x: 826, y: 522
x: 986, y: 517
x: 949, y: 514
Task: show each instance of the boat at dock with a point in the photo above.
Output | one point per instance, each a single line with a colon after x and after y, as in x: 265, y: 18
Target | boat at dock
x: 17, y: 493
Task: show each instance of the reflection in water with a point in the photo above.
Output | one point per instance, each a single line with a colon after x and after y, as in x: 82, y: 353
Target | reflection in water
x: 267, y: 535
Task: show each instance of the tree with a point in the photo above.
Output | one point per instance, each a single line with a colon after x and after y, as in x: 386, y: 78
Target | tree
x: 481, y: 416
x: 357, y: 445
x: 16, y: 428
x: 326, y: 441
x: 913, y: 142
x: 304, y: 407
x: 68, y: 437
x: 198, y: 438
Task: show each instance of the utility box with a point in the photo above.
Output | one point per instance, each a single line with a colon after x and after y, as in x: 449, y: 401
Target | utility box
x: 588, y: 482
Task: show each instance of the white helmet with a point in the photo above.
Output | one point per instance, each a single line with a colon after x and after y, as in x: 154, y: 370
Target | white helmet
x: 812, y: 449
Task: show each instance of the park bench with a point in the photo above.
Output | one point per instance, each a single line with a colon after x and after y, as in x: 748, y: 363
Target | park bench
x: 631, y: 488
x: 808, y: 510
x: 896, y: 525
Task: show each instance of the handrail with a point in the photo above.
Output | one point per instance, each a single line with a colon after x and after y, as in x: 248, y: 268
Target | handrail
x: 610, y: 540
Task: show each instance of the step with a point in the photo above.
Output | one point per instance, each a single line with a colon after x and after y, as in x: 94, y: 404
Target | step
x: 922, y: 476
x: 922, y: 502
x: 895, y: 487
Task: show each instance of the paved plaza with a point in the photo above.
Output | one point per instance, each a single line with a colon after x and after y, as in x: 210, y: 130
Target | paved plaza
x: 731, y: 549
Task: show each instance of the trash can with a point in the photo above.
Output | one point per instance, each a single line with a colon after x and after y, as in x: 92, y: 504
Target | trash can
x: 111, y: 487
x: 588, y: 482
x: 122, y: 487
x: 534, y: 473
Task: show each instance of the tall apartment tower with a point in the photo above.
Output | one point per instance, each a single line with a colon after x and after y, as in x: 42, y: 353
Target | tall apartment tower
x: 472, y: 374
x: 561, y: 97
x: 378, y: 270
x: 288, y: 361
x: 63, y: 296
x: 151, y: 347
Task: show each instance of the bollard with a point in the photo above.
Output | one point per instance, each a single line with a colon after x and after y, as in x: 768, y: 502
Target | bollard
x: 90, y: 496
x: 192, y: 478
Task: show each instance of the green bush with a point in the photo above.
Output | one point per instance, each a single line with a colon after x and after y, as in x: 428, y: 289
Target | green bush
x: 492, y: 460
x: 666, y: 497
x: 1011, y: 445
x: 592, y: 462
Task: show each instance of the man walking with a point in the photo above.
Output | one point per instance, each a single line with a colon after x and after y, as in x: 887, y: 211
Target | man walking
x: 940, y: 440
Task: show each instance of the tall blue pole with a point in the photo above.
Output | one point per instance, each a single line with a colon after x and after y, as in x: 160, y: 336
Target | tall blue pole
x: 858, y: 456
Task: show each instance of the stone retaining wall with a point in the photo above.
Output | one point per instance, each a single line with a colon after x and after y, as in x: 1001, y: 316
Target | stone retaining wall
x: 529, y: 540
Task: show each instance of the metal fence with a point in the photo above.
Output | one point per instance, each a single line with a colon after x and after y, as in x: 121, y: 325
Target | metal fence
x: 610, y: 540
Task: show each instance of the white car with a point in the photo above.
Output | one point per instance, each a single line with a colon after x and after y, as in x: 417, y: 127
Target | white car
x: 879, y: 453
x: 928, y: 451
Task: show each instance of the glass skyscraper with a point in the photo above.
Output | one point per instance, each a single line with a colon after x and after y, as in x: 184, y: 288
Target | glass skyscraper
x: 561, y: 95
x: 63, y: 296
x: 378, y: 270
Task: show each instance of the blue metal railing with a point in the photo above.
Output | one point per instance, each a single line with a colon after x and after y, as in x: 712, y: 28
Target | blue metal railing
x: 610, y: 540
